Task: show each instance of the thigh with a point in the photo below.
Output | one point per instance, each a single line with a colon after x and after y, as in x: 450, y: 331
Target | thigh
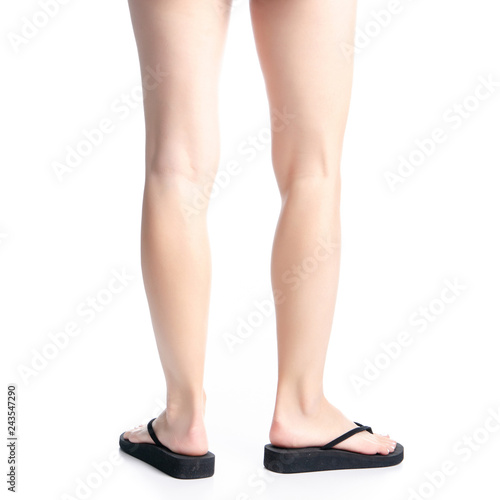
x: 301, y: 46
x: 180, y: 45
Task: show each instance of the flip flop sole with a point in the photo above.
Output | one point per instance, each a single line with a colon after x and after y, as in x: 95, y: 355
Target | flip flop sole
x: 173, y: 464
x: 293, y: 460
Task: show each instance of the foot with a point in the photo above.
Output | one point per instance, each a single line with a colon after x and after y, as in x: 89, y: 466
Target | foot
x: 181, y: 432
x: 315, y: 427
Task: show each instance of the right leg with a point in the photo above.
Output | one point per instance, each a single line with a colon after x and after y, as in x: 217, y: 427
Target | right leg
x: 307, y: 75
x: 181, y: 42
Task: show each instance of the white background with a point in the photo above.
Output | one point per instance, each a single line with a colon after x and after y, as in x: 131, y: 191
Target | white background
x: 61, y: 240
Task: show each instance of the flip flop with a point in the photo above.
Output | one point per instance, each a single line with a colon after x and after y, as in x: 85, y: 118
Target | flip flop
x: 173, y: 464
x: 291, y: 460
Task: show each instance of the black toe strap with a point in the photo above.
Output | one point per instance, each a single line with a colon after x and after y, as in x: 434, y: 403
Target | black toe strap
x: 347, y: 435
x: 152, y: 433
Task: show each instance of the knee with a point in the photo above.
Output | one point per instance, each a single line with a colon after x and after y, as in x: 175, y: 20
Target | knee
x: 182, y: 165
x: 306, y: 162
x: 314, y: 180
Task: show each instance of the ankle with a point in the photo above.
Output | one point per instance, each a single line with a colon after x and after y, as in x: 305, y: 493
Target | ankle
x: 190, y: 416
x: 187, y: 406
x: 183, y: 431
x: 298, y: 404
x: 292, y: 416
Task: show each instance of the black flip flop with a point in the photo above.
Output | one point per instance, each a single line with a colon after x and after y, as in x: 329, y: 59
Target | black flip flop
x: 173, y: 464
x: 291, y: 460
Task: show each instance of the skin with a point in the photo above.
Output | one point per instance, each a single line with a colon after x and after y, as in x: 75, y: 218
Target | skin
x: 308, y: 76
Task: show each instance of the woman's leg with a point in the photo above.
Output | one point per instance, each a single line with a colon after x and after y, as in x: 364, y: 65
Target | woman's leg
x: 180, y: 45
x: 307, y: 74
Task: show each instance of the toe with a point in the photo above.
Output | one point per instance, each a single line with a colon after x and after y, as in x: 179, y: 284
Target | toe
x: 134, y: 438
x: 389, y: 442
x: 385, y: 445
x: 128, y: 434
x: 132, y: 434
x: 391, y: 446
x: 384, y: 449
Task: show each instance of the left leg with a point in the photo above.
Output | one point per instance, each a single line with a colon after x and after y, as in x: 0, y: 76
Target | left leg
x: 185, y: 39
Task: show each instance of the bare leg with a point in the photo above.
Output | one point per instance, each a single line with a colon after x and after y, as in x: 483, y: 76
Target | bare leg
x: 184, y: 40
x: 306, y: 73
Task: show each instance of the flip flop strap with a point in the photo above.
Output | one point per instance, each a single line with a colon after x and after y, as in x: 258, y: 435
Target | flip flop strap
x: 152, y: 433
x: 347, y: 435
